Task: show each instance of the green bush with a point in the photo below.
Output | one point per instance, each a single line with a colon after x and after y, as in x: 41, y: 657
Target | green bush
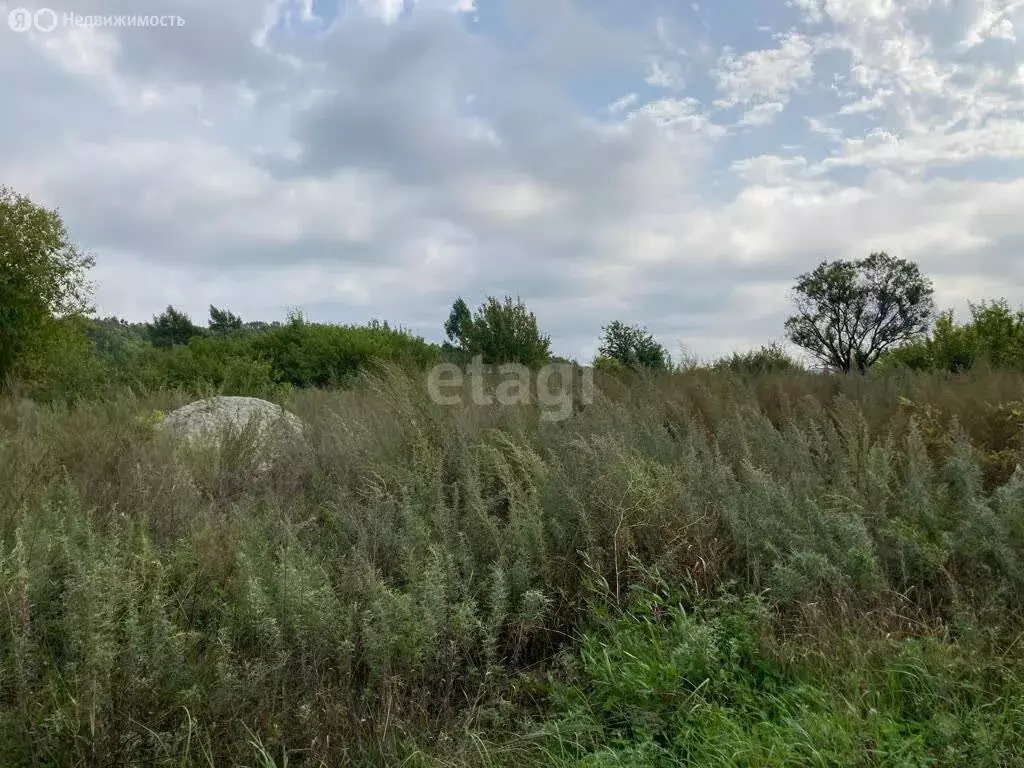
x: 994, y: 336
x: 767, y: 359
x: 631, y: 347
x: 499, y: 332
x: 204, y: 367
x: 117, y: 342
x: 262, y: 361
x: 306, y: 354
x: 63, y: 366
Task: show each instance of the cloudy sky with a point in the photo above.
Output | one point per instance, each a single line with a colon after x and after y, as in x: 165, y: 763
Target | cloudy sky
x: 663, y: 162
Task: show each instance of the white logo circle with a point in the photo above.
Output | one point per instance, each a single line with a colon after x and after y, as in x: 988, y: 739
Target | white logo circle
x: 20, y: 19
x: 45, y: 19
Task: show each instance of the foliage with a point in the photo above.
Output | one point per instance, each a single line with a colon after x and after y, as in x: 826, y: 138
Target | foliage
x: 223, y: 321
x: 85, y: 357
x: 258, y: 362
x: 499, y: 332
x: 686, y: 360
x: 459, y: 321
x: 307, y: 354
x: 772, y: 358
x: 850, y: 312
x: 65, y: 366
x: 117, y: 342
x: 693, y: 682
x: 997, y: 334
x: 205, y: 366
x: 607, y: 364
x: 631, y: 346
x: 260, y: 325
x: 42, y: 281
x: 994, y: 336
x: 172, y: 327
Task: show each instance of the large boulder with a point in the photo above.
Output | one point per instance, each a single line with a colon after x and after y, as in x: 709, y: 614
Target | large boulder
x: 209, y: 423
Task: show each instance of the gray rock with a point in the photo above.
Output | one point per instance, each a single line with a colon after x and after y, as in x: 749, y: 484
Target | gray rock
x: 208, y: 423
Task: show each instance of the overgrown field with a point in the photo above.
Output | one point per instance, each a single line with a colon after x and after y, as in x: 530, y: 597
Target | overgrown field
x: 696, y: 568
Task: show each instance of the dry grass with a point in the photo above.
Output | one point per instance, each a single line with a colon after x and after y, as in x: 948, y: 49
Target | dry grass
x: 395, y: 590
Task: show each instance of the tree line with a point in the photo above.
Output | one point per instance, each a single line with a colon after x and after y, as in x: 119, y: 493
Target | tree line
x: 849, y: 316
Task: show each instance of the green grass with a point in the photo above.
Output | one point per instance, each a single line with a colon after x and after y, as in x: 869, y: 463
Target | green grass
x: 669, y: 684
x: 694, y: 569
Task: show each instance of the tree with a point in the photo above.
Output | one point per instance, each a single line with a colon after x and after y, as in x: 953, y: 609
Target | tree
x: 499, y: 332
x: 850, y: 312
x: 222, y: 321
x: 171, y: 328
x: 772, y: 358
x: 260, y: 325
x: 117, y: 341
x: 994, y: 334
x: 631, y: 346
x: 43, y: 286
x: 458, y: 322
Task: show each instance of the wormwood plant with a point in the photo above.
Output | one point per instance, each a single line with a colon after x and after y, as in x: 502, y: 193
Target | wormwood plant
x: 398, y: 591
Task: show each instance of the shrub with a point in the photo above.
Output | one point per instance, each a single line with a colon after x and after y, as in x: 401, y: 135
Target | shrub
x: 631, y: 347
x: 499, y: 332
x: 261, y: 361
x: 306, y: 354
x: 768, y: 359
x: 994, y: 336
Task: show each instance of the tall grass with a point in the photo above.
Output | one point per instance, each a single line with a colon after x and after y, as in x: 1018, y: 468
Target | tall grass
x: 407, y: 588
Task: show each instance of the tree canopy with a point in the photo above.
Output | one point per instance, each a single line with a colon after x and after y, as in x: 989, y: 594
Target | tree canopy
x: 851, y: 312
x: 994, y: 336
x: 172, y: 327
x: 224, y: 321
x: 43, y: 285
x: 631, y: 346
x: 499, y: 332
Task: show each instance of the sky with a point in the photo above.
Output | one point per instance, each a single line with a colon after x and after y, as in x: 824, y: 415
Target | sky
x: 666, y: 163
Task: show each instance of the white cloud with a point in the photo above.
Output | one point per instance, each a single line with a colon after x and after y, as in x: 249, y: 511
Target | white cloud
x: 621, y: 105
x: 998, y: 140
x: 813, y: 11
x: 770, y: 74
x: 993, y: 20
x: 762, y: 114
x: 383, y: 162
x: 666, y: 74
x: 769, y: 170
x: 877, y: 100
x: 686, y: 113
x: 512, y: 201
x: 386, y: 11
